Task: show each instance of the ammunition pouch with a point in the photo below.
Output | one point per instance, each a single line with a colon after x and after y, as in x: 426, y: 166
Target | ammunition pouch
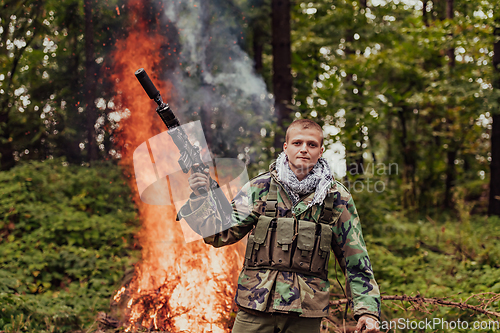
x: 288, y: 244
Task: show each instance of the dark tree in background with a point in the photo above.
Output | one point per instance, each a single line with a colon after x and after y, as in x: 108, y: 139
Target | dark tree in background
x: 494, y: 201
x: 259, y: 32
x: 50, y: 55
x: 26, y: 19
x: 282, y: 59
x: 451, y: 154
x: 90, y: 81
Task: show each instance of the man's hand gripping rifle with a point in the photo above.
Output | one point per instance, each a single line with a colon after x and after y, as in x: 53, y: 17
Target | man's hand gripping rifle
x: 190, y: 155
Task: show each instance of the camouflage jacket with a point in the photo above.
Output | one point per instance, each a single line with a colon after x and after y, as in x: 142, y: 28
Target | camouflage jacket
x: 270, y: 290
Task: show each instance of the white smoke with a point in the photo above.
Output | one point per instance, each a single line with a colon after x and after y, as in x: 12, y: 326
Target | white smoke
x: 216, y: 75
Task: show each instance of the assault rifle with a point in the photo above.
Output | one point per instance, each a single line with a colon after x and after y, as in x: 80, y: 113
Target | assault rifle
x: 190, y: 155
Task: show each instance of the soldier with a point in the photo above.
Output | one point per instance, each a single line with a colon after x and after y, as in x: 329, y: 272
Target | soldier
x: 297, y: 213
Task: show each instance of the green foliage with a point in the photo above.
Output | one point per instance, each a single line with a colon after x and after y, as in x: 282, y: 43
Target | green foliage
x: 66, y: 237
x: 382, y: 74
x: 42, y: 57
x: 441, y: 256
x: 444, y: 260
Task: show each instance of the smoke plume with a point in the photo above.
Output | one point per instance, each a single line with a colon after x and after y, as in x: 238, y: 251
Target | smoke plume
x: 215, y: 79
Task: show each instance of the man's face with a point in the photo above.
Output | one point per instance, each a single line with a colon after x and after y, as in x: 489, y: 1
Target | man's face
x: 303, y: 149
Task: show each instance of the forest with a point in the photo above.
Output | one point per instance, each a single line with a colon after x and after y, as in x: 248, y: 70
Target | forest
x: 407, y: 93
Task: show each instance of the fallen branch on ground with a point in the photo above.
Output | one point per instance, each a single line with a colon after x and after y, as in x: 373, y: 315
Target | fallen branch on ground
x: 419, y: 301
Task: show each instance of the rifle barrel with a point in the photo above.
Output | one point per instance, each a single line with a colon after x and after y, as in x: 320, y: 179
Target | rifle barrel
x: 146, y: 83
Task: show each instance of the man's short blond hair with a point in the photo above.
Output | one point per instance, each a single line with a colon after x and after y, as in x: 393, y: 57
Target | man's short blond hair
x: 303, y: 124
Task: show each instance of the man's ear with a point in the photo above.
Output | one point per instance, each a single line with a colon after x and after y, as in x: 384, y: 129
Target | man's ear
x: 322, y: 151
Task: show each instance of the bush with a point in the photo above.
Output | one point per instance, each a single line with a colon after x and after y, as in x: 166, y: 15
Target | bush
x: 439, y: 256
x: 66, y: 237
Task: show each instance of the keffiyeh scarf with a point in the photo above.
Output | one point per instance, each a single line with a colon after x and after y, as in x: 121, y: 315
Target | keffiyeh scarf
x: 319, y: 179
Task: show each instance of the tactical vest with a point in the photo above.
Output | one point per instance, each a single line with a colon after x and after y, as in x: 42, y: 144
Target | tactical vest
x: 289, y: 244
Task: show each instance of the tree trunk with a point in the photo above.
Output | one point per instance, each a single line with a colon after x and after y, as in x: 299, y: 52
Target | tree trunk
x: 451, y: 51
x: 409, y: 194
x: 354, y: 154
x: 452, y: 152
x: 450, y: 176
x: 424, y: 13
x: 258, y: 49
x: 449, y: 9
x: 439, y: 6
x: 68, y: 141
x: 90, y: 82
x: 7, y: 160
x: 494, y: 201
x: 282, y: 61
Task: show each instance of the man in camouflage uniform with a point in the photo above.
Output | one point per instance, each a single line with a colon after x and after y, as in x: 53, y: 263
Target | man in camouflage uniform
x: 296, y: 214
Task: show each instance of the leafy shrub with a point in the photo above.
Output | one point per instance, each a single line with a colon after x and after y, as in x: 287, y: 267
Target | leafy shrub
x: 66, y: 237
x: 437, y: 256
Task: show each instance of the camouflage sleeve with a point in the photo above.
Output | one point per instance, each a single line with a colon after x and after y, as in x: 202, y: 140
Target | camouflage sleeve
x: 351, y: 252
x: 205, y: 217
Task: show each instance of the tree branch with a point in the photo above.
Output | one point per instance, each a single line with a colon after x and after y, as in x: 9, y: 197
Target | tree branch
x: 419, y: 300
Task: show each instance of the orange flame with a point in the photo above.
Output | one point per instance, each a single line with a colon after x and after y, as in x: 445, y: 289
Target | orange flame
x: 176, y: 286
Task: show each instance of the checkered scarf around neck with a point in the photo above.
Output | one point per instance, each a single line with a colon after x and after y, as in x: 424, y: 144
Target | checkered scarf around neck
x: 319, y: 179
